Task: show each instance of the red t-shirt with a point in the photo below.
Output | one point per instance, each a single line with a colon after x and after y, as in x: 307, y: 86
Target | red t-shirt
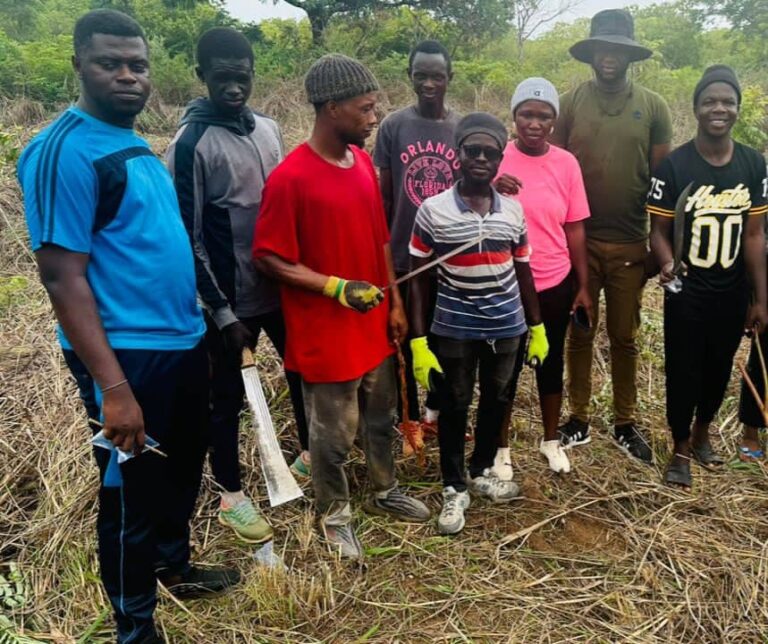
x: 331, y: 220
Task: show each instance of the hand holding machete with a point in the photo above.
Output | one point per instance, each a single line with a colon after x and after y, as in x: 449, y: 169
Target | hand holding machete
x: 669, y: 277
x: 354, y: 294
x: 236, y: 337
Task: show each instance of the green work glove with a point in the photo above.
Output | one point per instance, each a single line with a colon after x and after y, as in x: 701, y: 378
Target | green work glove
x: 423, y: 361
x: 538, y: 346
x: 354, y: 294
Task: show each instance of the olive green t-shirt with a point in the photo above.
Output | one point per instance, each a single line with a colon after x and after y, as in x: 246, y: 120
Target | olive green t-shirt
x: 611, y: 136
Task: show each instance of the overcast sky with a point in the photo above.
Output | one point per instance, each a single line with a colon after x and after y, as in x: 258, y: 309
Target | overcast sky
x: 254, y: 10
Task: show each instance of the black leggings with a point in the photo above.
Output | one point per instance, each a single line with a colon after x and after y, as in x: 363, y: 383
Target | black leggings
x: 749, y: 413
x: 227, y: 398
x: 701, y: 336
x: 555, y: 306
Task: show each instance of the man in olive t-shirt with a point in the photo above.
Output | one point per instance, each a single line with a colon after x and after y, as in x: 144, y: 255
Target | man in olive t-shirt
x: 618, y: 131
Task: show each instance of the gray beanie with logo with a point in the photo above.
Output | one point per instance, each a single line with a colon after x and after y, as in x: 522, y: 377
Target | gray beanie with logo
x: 536, y: 89
x: 335, y: 77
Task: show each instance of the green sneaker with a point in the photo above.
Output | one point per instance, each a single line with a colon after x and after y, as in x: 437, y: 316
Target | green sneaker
x: 301, y: 469
x: 246, y: 521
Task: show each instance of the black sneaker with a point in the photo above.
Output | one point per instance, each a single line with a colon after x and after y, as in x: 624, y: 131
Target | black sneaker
x: 201, y: 582
x: 153, y: 639
x: 574, y: 432
x: 632, y: 442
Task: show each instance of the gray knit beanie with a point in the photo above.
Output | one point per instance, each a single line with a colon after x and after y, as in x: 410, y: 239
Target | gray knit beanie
x: 481, y: 123
x: 334, y: 77
x: 536, y: 89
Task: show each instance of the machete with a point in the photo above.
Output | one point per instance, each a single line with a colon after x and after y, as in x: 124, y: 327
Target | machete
x: 678, y: 241
x: 439, y: 260
x: 281, y: 486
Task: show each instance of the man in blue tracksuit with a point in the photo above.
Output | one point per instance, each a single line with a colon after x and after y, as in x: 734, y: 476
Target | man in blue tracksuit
x: 113, y: 255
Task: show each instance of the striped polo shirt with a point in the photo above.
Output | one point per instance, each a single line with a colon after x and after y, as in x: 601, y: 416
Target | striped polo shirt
x: 477, y: 296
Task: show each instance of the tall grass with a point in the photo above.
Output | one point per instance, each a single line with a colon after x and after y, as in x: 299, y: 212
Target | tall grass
x: 605, y: 554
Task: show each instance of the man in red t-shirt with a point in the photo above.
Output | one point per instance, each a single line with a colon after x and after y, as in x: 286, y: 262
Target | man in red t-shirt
x: 321, y: 233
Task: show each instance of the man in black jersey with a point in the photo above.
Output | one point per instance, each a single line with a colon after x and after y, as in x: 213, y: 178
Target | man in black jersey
x: 723, y: 263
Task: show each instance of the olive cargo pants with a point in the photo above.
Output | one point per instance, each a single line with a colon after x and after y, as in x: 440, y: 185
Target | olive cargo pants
x: 619, y: 270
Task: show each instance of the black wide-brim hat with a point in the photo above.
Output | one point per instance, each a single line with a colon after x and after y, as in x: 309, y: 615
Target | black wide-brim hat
x: 613, y: 26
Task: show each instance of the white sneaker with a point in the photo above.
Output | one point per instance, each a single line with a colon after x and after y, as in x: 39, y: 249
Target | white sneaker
x: 502, y: 464
x: 431, y: 415
x: 493, y: 488
x: 451, y: 519
x: 558, y: 459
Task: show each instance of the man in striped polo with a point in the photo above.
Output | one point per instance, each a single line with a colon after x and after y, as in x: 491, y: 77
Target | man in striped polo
x: 485, y: 297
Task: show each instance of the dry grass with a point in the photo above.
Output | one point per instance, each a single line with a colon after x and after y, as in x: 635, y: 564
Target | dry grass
x: 605, y: 554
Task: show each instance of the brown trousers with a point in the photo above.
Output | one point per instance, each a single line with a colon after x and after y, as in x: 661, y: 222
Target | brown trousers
x: 619, y: 270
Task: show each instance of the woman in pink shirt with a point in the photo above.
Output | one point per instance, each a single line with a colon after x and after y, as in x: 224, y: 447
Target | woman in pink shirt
x: 555, y: 206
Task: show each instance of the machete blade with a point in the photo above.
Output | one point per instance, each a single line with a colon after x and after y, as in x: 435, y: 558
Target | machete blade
x: 439, y: 260
x: 281, y: 486
x: 678, y: 233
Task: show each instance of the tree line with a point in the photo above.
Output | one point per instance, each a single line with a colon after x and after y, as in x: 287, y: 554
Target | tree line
x: 495, y: 44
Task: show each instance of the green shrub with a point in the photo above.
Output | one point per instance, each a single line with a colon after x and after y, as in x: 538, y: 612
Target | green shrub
x: 173, y: 77
x: 284, y: 50
x: 9, y: 149
x: 750, y: 129
x: 10, y: 65
x: 46, y: 72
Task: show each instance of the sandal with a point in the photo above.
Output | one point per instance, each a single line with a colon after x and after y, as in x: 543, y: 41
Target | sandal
x: 706, y: 456
x: 750, y: 455
x: 679, y: 473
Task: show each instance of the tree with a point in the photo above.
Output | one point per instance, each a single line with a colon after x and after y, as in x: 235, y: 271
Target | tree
x: 470, y: 16
x: 532, y: 15
x: 176, y: 23
x: 320, y: 12
x: 750, y: 17
x: 473, y: 22
x: 19, y: 19
x: 673, y: 32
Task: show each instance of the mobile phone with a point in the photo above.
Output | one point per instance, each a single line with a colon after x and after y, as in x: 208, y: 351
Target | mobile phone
x: 580, y: 318
x: 436, y: 382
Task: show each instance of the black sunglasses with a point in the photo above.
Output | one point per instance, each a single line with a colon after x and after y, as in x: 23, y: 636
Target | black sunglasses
x: 474, y: 152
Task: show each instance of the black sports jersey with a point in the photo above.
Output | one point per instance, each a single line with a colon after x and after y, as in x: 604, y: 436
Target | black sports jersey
x: 719, y: 202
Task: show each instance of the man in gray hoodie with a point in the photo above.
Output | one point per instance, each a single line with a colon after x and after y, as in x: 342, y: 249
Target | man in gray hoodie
x: 220, y: 159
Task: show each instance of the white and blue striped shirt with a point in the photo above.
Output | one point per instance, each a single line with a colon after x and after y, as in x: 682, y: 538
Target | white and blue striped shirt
x: 478, y: 296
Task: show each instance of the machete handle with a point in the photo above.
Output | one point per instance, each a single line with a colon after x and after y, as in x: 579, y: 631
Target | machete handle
x: 247, y: 358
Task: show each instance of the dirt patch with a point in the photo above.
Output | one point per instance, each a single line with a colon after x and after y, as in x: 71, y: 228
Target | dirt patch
x: 578, y: 534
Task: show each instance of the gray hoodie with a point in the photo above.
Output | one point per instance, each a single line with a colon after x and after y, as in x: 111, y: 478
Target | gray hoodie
x: 219, y: 166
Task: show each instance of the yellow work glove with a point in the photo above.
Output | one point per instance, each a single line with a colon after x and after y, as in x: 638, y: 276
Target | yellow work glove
x: 358, y: 295
x: 538, y: 346
x: 423, y: 361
